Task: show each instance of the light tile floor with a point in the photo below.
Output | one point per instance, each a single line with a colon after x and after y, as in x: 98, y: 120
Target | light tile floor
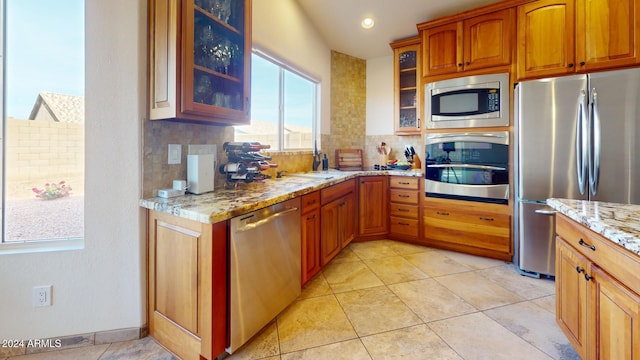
x: 388, y: 300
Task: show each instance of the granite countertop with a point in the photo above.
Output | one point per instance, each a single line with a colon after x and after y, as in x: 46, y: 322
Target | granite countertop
x: 619, y: 223
x: 224, y: 204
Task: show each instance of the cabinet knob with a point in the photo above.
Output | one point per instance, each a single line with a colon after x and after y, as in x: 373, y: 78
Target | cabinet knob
x: 571, y: 65
x: 588, y: 277
x: 582, y: 63
x: 442, y: 213
x: 459, y: 64
x: 467, y: 63
x: 579, y: 270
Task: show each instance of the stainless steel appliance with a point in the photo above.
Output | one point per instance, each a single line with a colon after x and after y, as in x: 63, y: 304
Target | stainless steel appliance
x: 470, y: 101
x: 578, y: 137
x: 467, y: 166
x: 264, y: 268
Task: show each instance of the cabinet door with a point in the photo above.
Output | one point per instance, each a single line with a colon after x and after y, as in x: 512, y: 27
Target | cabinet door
x: 487, y: 40
x: 163, y: 59
x: 571, y: 295
x: 180, y: 284
x: 606, y: 32
x: 372, y: 192
x: 348, y: 213
x: 546, y: 38
x: 407, y: 77
x: 310, y: 244
x: 614, y: 319
x: 216, y: 61
x: 442, y: 49
x: 329, y: 232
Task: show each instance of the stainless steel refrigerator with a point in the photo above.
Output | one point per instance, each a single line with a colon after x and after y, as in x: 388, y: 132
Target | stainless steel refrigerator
x: 577, y: 137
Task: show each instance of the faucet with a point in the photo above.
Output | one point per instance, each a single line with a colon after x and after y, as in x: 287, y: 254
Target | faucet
x: 316, y: 161
x: 316, y: 157
x: 280, y: 173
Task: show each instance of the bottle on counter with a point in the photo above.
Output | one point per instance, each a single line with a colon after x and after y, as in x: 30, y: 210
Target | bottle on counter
x: 325, y: 163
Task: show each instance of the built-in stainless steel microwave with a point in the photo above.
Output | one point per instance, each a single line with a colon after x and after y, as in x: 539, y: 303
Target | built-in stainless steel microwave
x: 468, y: 102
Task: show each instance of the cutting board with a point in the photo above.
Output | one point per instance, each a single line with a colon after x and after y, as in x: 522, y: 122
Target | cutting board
x: 349, y: 159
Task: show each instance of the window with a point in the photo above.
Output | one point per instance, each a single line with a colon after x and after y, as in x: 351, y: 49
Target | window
x: 283, y: 106
x: 43, y: 123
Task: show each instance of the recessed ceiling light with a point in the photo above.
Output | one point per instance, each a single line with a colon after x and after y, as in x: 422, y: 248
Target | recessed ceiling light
x: 367, y: 23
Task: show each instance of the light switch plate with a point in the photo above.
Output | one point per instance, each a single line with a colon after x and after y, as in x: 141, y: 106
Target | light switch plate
x: 175, y: 154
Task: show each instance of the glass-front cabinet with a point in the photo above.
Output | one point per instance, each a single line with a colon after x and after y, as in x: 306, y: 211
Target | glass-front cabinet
x: 407, y: 76
x: 200, y: 53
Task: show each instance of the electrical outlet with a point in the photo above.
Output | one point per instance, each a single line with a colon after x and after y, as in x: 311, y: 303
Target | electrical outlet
x: 42, y: 296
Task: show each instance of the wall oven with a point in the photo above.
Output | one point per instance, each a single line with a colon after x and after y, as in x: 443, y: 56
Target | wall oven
x: 468, y: 166
x: 466, y: 102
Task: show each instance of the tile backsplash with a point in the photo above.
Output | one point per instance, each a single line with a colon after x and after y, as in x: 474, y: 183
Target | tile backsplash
x: 348, y: 129
x: 159, y: 134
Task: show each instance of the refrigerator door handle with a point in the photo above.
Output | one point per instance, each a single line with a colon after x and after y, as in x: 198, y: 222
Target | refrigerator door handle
x: 596, y: 135
x: 581, y: 142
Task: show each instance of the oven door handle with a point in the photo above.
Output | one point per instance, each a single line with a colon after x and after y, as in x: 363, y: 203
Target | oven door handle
x: 500, y: 137
x: 468, y: 166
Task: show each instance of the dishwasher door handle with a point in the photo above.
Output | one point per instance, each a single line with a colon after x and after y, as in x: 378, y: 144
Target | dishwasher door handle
x: 268, y: 219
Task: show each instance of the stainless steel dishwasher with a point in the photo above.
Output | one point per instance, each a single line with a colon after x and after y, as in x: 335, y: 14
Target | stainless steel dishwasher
x: 264, y: 268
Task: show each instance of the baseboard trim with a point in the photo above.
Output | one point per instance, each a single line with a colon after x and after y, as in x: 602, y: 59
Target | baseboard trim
x: 33, y: 346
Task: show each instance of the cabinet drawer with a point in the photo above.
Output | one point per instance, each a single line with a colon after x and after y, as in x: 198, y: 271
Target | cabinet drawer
x: 482, y: 230
x: 400, y: 182
x: 310, y: 201
x: 404, y: 196
x: 618, y: 261
x: 404, y: 226
x: 337, y: 191
x: 405, y: 211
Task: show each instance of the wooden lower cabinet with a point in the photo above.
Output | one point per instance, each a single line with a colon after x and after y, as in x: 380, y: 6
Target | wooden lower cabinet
x: 404, y: 211
x: 571, y: 295
x: 373, y: 219
x: 310, y: 231
x: 338, y: 219
x: 597, y: 293
x: 187, y: 297
x: 474, y: 228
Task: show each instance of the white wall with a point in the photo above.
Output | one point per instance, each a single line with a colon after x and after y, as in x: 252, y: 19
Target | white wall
x: 380, y: 95
x: 282, y: 29
x: 102, y: 286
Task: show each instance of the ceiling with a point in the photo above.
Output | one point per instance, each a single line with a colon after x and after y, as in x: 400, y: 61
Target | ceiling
x: 338, y: 21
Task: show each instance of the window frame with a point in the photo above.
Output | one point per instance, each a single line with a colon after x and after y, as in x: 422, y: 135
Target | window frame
x: 282, y: 67
x: 24, y: 246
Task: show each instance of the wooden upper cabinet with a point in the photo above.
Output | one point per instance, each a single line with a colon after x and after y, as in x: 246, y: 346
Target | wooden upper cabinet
x: 487, y: 40
x: 546, y: 38
x: 199, y: 61
x: 606, y: 33
x: 441, y: 53
x: 478, y: 42
x: 406, y: 88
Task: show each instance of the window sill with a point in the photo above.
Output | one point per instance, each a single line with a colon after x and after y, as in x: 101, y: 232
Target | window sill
x: 25, y: 247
